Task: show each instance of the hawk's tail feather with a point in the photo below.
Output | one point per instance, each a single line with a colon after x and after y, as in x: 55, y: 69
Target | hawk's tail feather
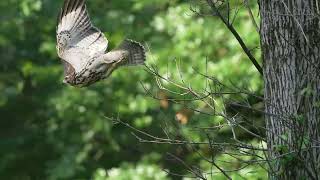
x: 136, y: 52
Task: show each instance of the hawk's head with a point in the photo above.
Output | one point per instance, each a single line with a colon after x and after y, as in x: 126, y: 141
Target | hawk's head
x: 69, y: 73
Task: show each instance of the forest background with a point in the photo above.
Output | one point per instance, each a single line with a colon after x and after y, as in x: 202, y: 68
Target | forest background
x: 49, y: 130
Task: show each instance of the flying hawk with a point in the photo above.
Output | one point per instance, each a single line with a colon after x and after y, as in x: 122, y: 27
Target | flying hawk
x: 82, y: 47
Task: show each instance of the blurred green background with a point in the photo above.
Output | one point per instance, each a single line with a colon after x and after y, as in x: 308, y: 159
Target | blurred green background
x: 49, y: 130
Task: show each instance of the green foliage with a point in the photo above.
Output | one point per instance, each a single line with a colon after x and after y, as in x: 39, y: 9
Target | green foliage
x: 52, y: 131
x: 128, y: 171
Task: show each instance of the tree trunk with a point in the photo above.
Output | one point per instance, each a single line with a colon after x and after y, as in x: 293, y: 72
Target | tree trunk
x: 290, y: 40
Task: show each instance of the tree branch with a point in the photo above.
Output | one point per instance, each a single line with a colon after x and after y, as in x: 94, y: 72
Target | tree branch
x: 216, y: 12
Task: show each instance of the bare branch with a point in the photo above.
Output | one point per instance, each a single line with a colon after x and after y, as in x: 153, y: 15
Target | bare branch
x: 215, y: 11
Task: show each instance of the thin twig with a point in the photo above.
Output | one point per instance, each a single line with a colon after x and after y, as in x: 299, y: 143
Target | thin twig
x: 246, y: 3
x: 216, y: 12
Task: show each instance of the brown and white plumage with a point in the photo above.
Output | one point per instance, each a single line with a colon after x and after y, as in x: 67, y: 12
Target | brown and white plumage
x: 82, y: 47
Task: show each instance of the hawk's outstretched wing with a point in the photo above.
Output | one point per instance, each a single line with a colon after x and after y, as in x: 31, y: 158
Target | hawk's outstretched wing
x: 77, y: 39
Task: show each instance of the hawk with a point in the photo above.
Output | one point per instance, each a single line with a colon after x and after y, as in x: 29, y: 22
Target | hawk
x: 82, y: 47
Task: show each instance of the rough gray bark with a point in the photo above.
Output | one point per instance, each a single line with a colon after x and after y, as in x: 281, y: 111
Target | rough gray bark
x: 290, y: 39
